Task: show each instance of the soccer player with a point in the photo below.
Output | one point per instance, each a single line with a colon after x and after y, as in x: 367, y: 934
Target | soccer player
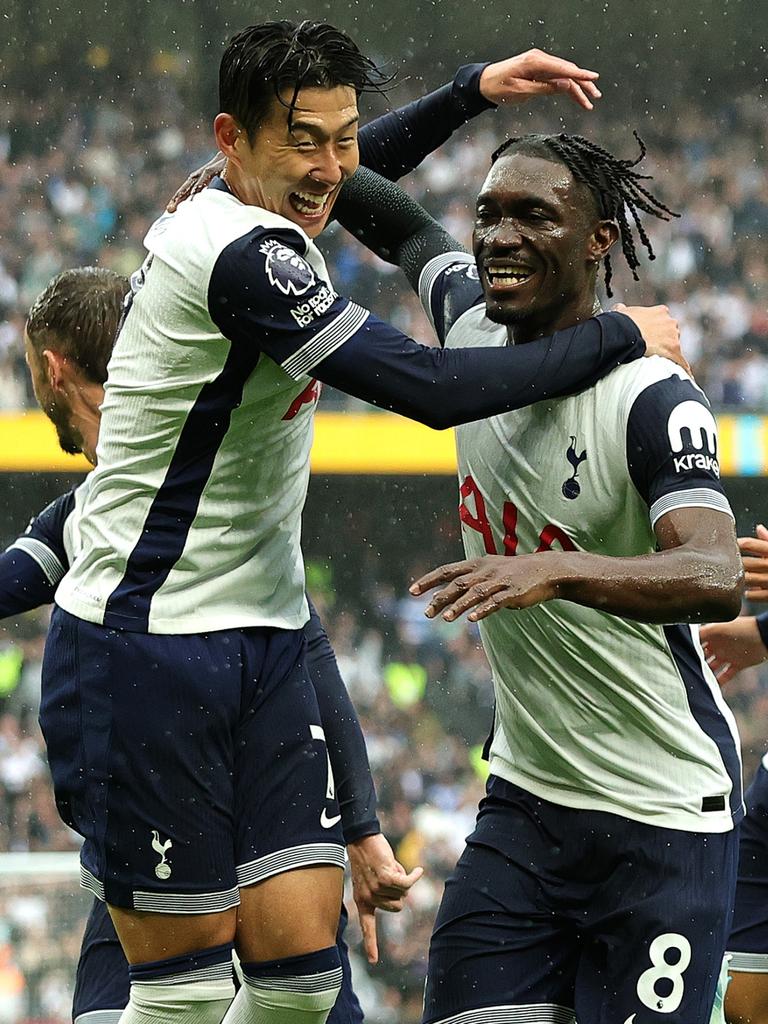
x: 210, y: 820
x: 731, y: 647
x: 69, y: 337
x: 598, y: 881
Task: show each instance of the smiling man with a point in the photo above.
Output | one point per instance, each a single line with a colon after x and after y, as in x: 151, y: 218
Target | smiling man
x: 212, y: 819
x: 599, y: 879
x: 598, y: 882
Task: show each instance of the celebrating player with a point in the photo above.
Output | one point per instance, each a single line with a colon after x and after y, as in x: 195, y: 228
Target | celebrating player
x: 69, y: 337
x: 599, y: 879
x: 211, y: 820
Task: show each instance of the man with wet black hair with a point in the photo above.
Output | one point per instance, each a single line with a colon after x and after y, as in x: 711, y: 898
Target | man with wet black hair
x: 598, y: 882
x: 213, y: 819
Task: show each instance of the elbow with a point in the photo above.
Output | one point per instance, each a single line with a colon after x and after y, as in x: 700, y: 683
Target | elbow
x: 722, y: 599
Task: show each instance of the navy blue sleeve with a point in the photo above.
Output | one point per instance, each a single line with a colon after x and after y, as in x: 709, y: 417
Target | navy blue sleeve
x: 396, y: 143
x: 449, y: 285
x: 264, y: 293
x: 762, y: 626
x: 34, y: 565
x: 672, y: 448
x: 343, y: 736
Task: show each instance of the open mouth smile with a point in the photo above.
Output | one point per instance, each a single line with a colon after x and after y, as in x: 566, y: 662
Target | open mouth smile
x: 310, y: 204
x: 507, y: 275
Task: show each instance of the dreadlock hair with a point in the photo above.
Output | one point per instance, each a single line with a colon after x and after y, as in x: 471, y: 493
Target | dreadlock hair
x: 613, y: 183
x: 263, y: 61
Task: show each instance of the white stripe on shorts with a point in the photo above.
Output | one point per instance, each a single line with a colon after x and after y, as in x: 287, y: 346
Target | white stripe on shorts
x: 286, y: 860
x: 523, y: 1013
x: 100, y: 1017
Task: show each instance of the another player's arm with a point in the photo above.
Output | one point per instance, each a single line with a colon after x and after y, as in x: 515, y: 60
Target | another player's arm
x: 731, y: 647
x: 34, y: 565
x: 263, y: 293
x: 379, y: 882
x: 344, y: 737
x: 695, y: 576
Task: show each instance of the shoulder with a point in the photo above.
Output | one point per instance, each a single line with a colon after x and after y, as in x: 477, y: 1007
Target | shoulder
x: 449, y: 285
x: 210, y: 223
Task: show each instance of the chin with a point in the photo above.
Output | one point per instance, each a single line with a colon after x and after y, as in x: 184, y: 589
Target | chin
x: 506, y: 315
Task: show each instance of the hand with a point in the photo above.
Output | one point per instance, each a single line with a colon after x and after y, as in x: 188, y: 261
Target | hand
x: 535, y: 73
x: 197, y: 181
x: 378, y: 883
x: 660, y: 331
x: 754, y: 553
x: 731, y: 647
x: 487, y: 584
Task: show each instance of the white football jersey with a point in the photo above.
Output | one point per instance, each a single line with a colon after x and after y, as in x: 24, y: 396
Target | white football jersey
x: 592, y: 710
x: 192, y: 521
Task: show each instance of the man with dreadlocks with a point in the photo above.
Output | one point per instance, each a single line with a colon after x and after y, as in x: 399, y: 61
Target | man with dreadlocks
x: 598, y: 881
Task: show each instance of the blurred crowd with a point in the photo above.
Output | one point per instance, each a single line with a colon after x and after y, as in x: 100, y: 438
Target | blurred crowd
x: 82, y: 177
x: 424, y: 695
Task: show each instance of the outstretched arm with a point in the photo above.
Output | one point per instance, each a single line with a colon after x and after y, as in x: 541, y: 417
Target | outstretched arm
x: 34, y: 565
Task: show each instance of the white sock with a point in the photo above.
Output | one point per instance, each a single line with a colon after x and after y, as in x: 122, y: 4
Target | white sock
x: 197, y: 1002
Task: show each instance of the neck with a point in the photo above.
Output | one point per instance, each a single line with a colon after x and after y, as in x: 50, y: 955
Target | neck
x: 551, y: 320
x: 242, y: 187
x: 85, y: 400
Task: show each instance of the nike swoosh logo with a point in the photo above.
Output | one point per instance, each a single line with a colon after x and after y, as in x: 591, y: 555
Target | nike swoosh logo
x: 630, y: 1020
x: 327, y: 822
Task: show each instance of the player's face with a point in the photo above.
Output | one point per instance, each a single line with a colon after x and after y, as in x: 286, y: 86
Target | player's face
x: 52, y: 404
x: 298, y: 171
x: 532, y: 236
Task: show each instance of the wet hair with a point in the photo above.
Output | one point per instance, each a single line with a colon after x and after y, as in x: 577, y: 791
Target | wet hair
x: 615, y: 185
x: 78, y: 315
x: 263, y: 61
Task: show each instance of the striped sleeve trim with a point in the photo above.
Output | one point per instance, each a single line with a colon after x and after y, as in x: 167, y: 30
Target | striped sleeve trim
x: 304, y: 983
x: 523, y: 1013
x: 697, y: 497
x: 186, y: 902
x: 749, y: 963
x: 430, y: 273
x: 99, y: 1017
x: 285, y: 860
x: 47, y: 559
x: 341, y: 329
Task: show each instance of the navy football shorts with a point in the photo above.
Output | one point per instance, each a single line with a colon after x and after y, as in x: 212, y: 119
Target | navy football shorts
x: 554, y: 912
x: 192, y: 765
x: 748, y: 942
x: 102, y: 986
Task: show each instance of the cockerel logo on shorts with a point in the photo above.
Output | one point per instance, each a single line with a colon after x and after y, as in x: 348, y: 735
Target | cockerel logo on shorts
x: 286, y: 270
x: 163, y: 869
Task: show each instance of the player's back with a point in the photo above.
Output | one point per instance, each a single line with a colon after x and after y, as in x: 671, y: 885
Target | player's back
x: 192, y: 521
x: 594, y: 710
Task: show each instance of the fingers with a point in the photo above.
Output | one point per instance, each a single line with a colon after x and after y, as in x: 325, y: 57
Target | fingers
x: 443, y: 574
x: 367, y: 917
x: 181, y: 194
x: 754, y: 546
x: 761, y: 532
x: 547, y: 64
x: 756, y: 593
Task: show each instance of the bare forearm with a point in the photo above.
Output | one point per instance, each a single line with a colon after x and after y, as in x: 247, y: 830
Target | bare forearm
x: 676, y: 585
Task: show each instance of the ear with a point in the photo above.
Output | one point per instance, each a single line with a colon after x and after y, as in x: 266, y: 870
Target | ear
x: 55, y: 367
x: 604, y: 235
x: 227, y: 132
